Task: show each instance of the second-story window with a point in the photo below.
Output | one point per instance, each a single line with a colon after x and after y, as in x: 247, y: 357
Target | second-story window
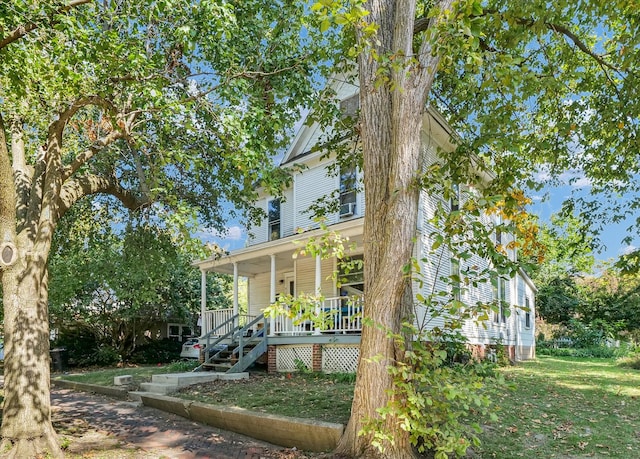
x: 274, y: 219
x: 348, y: 182
x: 454, y: 201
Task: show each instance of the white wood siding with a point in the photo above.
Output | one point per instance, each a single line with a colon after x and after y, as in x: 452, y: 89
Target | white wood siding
x: 311, y: 185
x: 287, y: 216
x: 258, y: 233
x: 306, y: 276
x: 259, y: 292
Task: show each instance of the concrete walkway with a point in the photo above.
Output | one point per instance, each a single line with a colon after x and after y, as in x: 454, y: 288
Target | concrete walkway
x: 119, y: 429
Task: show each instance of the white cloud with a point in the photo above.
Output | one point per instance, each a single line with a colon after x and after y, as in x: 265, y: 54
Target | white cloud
x: 231, y: 233
x: 235, y: 233
x: 580, y: 182
x: 627, y: 250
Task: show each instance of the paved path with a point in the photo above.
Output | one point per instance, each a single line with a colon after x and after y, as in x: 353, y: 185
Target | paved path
x: 124, y: 430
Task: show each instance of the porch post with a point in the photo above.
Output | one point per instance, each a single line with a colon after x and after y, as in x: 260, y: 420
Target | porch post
x: 272, y: 296
x: 235, y: 288
x: 204, y: 323
x: 318, y: 289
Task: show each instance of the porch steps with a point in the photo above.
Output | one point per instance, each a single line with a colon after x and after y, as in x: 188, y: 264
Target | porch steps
x: 236, y: 350
x: 168, y: 383
x: 217, y: 366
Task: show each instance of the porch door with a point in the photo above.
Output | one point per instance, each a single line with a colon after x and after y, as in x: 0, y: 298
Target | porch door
x: 290, y: 284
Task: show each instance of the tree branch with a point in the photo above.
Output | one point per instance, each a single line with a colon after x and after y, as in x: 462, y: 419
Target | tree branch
x: 24, y: 29
x: 424, y: 23
x: 85, y: 185
x: 7, y: 190
x: 558, y: 28
x: 66, y: 115
x: 93, y: 150
x: 23, y: 172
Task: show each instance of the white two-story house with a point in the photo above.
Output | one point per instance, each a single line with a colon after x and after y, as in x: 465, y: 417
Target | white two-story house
x: 273, y: 266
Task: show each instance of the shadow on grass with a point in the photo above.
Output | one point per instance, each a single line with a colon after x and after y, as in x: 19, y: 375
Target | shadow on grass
x: 567, y: 408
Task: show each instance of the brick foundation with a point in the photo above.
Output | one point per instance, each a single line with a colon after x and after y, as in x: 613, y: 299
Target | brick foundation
x: 317, y: 358
x: 478, y: 351
x: 271, y: 359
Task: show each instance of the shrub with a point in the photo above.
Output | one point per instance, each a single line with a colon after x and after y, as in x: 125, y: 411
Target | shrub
x: 83, y: 349
x: 596, y: 352
x: 183, y: 366
x: 630, y: 361
x: 156, y: 351
x: 343, y: 377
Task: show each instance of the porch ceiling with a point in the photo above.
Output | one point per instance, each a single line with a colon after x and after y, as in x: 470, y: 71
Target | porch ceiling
x: 255, y: 265
x: 257, y: 259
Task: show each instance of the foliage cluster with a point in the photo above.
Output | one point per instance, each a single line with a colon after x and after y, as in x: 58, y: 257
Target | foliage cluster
x: 589, y: 308
x: 82, y: 350
x: 595, y: 352
x: 436, y: 398
x: 630, y: 361
x: 111, y: 282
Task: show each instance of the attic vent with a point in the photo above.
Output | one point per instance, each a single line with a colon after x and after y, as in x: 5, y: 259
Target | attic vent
x: 349, y: 106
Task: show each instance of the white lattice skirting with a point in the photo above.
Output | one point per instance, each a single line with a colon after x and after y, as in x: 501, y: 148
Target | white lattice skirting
x: 286, y: 357
x: 340, y: 359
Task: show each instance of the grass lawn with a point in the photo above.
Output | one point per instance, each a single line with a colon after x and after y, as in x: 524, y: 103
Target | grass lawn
x: 104, y: 377
x: 566, y: 408
x: 561, y: 407
x: 302, y: 395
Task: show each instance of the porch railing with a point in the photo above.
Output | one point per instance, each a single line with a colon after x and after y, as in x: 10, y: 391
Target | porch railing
x: 215, y: 317
x: 339, y: 315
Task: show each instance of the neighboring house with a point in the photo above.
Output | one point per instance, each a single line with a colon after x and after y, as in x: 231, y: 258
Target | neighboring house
x: 273, y: 267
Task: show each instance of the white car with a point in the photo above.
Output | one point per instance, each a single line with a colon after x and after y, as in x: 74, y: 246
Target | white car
x: 191, y: 349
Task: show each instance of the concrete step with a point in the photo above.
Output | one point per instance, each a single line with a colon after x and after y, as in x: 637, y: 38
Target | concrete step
x: 168, y: 383
x: 187, y: 379
x: 158, y: 388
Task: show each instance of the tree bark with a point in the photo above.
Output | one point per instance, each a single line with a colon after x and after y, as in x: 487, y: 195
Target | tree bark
x: 26, y: 417
x: 26, y: 429
x: 390, y: 122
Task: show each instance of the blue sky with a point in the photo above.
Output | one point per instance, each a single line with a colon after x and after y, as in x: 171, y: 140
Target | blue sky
x: 549, y: 201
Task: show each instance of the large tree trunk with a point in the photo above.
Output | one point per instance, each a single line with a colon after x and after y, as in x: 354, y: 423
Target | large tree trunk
x: 26, y: 416
x: 392, y: 146
x: 390, y: 122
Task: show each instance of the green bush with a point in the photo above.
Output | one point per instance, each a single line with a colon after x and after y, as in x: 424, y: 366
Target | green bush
x: 630, y: 361
x: 343, y: 377
x: 596, y: 352
x: 156, y: 351
x: 83, y: 349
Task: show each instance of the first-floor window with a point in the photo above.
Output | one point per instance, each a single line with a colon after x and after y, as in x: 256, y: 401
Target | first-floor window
x: 351, y: 275
x: 527, y: 313
x: 455, y: 278
x: 499, y: 285
x: 178, y: 332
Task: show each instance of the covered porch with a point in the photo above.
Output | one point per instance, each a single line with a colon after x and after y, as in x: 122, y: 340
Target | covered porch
x: 277, y: 268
